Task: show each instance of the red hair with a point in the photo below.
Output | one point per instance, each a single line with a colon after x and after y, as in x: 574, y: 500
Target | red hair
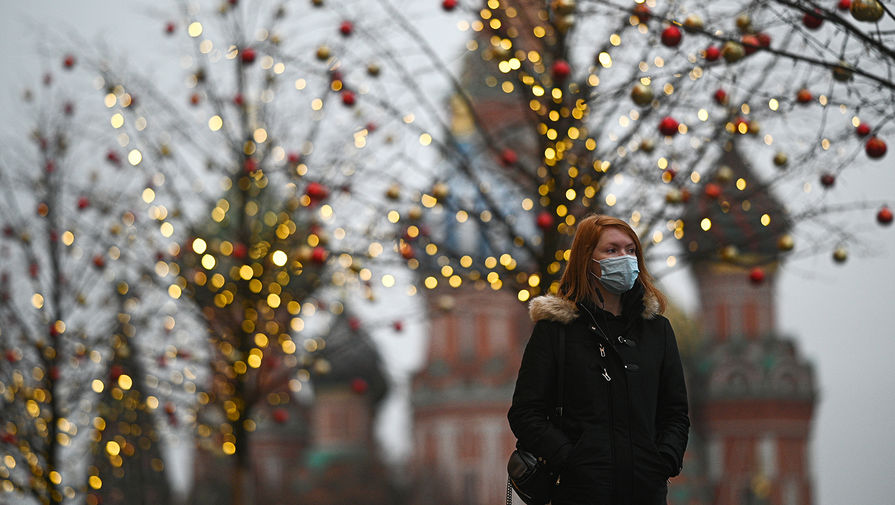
x: 575, y: 284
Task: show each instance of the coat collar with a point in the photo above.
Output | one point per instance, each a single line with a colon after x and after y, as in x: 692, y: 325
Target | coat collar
x: 554, y: 308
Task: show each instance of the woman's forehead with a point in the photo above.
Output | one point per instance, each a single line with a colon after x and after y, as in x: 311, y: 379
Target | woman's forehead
x: 614, y: 236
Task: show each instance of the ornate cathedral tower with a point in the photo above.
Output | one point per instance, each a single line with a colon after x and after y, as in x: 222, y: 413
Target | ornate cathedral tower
x: 476, y: 335
x: 753, y: 395
x: 461, y: 398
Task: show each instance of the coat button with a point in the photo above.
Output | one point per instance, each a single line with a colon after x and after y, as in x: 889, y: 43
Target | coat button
x: 631, y: 367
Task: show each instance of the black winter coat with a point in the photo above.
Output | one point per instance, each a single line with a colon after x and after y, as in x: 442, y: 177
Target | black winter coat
x: 618, y: 439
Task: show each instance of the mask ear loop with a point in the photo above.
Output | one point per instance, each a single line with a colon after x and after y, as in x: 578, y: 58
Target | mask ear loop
x: 599, y: 295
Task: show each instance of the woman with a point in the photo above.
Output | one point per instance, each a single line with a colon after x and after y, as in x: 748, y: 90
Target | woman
x: 624, y: 422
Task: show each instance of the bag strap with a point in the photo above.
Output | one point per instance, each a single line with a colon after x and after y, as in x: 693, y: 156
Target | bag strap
x: 560, y: 374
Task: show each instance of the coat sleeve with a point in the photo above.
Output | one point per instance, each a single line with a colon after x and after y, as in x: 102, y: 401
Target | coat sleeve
x: 534, y: 399
x: 672, y: 419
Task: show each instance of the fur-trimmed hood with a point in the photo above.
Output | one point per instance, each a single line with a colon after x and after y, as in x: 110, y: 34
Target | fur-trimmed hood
x: 554, y: 308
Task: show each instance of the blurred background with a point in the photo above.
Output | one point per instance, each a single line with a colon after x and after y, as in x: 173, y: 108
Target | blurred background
x: 280, y: 252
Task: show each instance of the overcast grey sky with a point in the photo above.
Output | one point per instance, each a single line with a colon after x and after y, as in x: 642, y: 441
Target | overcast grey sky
x: 839, y: 313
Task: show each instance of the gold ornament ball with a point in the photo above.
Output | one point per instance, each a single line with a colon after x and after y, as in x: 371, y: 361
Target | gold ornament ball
x: 446, y: 303
x: 732, y: 51
x: 415, y: 213
x: 323, y: 53
x: 304, y: 254
x: 867, y: 10
x: 647, y: 145
x: 563, y: 7
x: 565, y: 23
x: 785, y: 243
x: 780, y: 159
x: 744, y: 23
x: 840, y: 255
x: 440, y: 190
x: 674, y: 196
x: 393, y: 192
x: 693, y: 22
x: 642, y: 94
x: 843, y: 73
x: 373, y: 70
x: 729, y: 253
x: 725, y: 174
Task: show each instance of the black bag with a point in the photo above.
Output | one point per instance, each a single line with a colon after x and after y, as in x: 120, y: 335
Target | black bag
x: 529, y: 478
x: 526, y: 474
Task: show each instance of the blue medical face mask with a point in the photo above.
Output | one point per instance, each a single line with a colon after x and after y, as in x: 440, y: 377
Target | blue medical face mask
x: 618, y: 273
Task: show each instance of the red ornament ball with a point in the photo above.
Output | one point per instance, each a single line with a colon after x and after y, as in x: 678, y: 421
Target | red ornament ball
x: 240, y: 250
x: 712, y: 190
x: 750, y: 43
x: 804, y: 96
x: 756, y: 275
x: 561, y: 70
x: 764, y: 40
x: 359, y: 385
x: 195, y: 98
x: 844, y: 5
x: 316, y: 191
x: 99, y: 261
x: 449, y: 5
x: 170, y: 27
x: 827, y: 180
x: 83, y: 202
x: 398, y: 326
x: 668, y: 126
x: 884, y: 216
x: 407, y: 251
x: 348, y: 98
x: 318, y: 255
x: 280, y: 416
x: 642, y: 13
x: 671, y: 36
x: 720, y: 97
x: 875, y: 147
x: 238, y: 100
x: 69, y: 61
x: 508, y: 157
x: 545, y: 220
x: 346, y: 28
x: 812, y: 21
x: 862, y: 130
x: 250, y: 165
x: 712, y: 53
x: 293, y: 158
x: 248, y: 55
